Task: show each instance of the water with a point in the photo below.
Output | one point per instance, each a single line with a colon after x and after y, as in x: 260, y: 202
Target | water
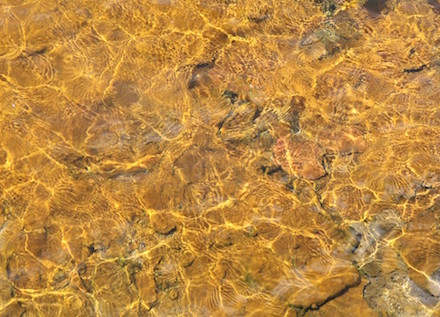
x: 219, y: 158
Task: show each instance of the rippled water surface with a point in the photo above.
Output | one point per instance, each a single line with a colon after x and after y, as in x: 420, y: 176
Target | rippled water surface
x: 219, y: 158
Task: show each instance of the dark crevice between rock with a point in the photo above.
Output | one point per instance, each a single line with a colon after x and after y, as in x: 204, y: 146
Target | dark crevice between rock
x: 8, y: 270
x: 363, y: 294
x: 102, y: 105
x: 301, y: 311
x: 415, y: 69
x: 290, y: 186
x: 32, y: 53
x: 256, y: 114
x: 82, y: 269
x: 24, y: 312
x: 8, y: 274
x: 192, y: 83
x: 325, y: 168
x: 205, y: 65
x: 132, y: 270
x: 350, y: 153
x: 327, y: 6
x: 153, y: 304
x: 221, y: 123
x: 92, y: 249
x: 197, y: 71
x: 231, y: 114
x: 80, y: 162
x: 231, y: 96
x: 259, y: 19
x: 270, y: 170
x: 358, y: 238
x: 335, y: 217
x: 188, y: 263
x: 168, y: 232
x: 234, y: 97
x: 331, y: 49
x: 156, y: 275
x: 419, y: 189
x: 165, y: 285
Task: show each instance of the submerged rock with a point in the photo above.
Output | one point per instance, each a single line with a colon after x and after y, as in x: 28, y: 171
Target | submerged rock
x: 396, y: 295
x: 299, y: 157
x: 375, y: 7
x: 331, y: 36
x: 345, y: 140
x: 163, y: 222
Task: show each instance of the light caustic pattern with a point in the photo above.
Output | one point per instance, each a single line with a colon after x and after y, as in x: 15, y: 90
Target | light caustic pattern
x: 219, y: 158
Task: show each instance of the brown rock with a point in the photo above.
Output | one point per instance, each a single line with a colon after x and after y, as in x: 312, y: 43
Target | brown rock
x: 37, y: 242
x: 421, y: 252
x: 342, y: 141
x: 322, y: 282
x: 164, y: 192
x: 239, y: 124
x: 147, y: 288
x: 339, y: 306
x: 14, y: 309
x: 345, y: 200
x: 163, y: 222
x: 300, y: 158
x: 111, y: 280
x: 3, y: 156
x: 125, y: 92
x: 6, y: 290
x: 24, y: 271
x: 192, y: 165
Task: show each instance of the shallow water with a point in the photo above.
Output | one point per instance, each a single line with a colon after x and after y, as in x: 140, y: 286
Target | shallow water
x: 220, y: 158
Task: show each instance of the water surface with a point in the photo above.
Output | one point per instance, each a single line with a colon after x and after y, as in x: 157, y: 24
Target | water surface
x: 219, y: 158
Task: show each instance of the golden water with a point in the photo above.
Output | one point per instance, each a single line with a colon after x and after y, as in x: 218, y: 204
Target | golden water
x: 219, y: 158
